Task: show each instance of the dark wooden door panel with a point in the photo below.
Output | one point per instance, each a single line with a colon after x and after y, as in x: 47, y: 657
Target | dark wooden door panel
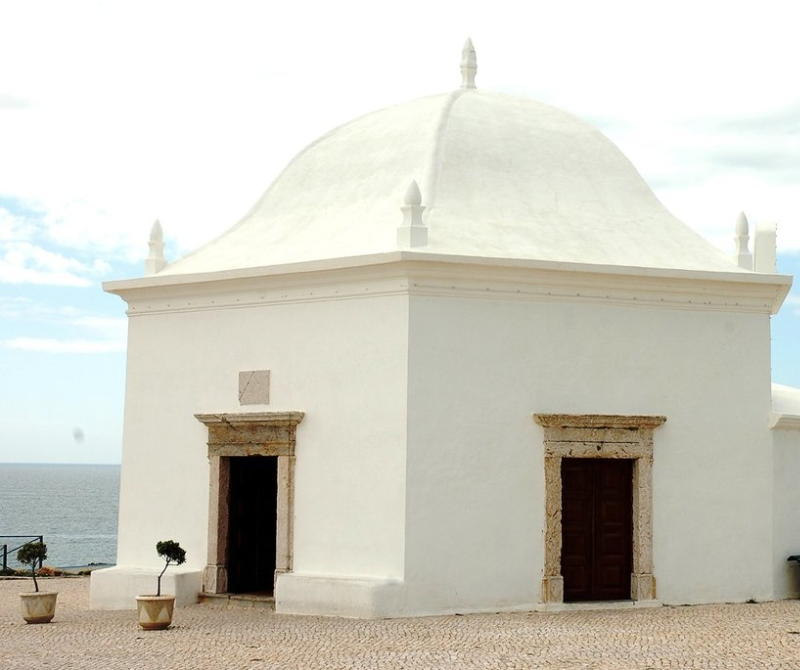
x: 596, y: 528
x: 252, y: 524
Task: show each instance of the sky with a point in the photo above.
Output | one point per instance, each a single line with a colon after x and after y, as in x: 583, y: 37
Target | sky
x: 114, y: 114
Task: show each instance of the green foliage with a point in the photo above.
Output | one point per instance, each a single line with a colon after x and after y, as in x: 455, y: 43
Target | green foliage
x: 171, y: 552
x: 32, y: 554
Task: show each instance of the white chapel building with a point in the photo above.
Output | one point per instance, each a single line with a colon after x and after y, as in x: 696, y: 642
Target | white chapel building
x: 458, y: 358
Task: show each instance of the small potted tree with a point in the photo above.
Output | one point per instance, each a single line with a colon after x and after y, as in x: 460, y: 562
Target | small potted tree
x: 155, y: 612
x: 37, y: 607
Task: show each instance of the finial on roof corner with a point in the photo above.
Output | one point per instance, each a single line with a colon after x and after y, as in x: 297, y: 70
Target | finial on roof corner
x: 744, y: 258
x: 412, y: 232
x: 742, y: 226
x: 469, y: 65
x: 413, y: 196
x: 155, y: 261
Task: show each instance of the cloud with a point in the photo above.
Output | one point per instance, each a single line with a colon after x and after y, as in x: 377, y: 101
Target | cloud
x: 14, y: 307
x: 115, y: 328
x: 55, y: 346
x: 26, y: 263
x: 78, y: 330
x: 10, y: 101
x: 781, y: 122
x: 793, y: 301
x: 105, y: 334
x: 20, y: 307
x: 14, y: 227
x: 34, y: 249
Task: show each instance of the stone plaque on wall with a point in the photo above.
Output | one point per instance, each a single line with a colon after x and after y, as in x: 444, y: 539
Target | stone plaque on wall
x: 254, y: 387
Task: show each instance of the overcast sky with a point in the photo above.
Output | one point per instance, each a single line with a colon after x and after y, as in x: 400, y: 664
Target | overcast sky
x: 113, y: 114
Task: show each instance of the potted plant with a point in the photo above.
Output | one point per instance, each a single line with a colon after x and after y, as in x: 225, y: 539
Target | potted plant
x: 155, y: 612
x: 37, y: 607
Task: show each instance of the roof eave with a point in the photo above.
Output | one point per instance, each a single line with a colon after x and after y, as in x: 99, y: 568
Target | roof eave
x: 773, y: 288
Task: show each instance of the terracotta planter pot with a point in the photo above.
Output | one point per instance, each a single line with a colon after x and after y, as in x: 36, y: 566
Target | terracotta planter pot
x: 155, y: 612
x: 38, y: 607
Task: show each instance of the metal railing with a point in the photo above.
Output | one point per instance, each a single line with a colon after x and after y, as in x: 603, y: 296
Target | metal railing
x: 6, y: 551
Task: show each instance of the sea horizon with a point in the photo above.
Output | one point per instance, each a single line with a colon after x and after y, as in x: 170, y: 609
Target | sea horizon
x: 74, y: 506
x: 51, y: 463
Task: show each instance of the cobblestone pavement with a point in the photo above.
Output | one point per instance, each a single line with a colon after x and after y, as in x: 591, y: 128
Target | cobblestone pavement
x: 747, y: 637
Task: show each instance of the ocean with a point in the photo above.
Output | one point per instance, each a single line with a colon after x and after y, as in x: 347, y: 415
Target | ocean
x: 74, y: 506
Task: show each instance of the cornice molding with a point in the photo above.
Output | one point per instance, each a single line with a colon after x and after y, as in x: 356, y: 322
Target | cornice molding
x: 411, y: 274
x: 784, y: 421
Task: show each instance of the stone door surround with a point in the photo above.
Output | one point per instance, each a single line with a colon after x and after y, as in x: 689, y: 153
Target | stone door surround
x: 238, y: 435
x: 599, y: 436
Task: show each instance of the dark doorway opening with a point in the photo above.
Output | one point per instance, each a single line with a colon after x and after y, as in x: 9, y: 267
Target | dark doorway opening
x: 252, y: 525
x: 597, y: 523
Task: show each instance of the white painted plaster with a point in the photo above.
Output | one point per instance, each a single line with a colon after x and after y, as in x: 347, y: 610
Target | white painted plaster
x: 116, y: 588
x: 501, y: 176
x: 339, y: 596
x: 475, y: 458
x: 451, y: 512
x: 785, y: 422
x: 552, y: 282
x: 341, y: 361
x: 765, y: 249
x: 785, y: 407
x: 786, y: 526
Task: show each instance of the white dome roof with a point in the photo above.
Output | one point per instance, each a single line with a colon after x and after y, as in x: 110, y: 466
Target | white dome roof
x: 500, y: 177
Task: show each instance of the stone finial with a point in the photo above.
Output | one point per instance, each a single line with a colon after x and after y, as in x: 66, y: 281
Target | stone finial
x: 413, y: 196
x: 469, y: 65
x: 743, y: 256
x: 155, y: 260
x: 412, y: 232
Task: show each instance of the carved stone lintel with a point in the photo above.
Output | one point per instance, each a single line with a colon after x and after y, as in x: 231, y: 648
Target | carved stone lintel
x: 588, y: 421
x: 252, y: 434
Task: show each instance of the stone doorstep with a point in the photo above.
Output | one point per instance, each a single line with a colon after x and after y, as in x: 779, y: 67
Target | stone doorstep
x: 598, y: 605
x: 243, y: 600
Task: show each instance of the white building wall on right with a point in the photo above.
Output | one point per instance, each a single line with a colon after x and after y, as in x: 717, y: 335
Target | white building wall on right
x: 787, y: 512
x: 479, y: 369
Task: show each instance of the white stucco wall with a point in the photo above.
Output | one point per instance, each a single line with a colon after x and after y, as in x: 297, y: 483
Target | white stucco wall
x: 478, y: 370
x: 419, y: 480
x: 787, y: 517
x: 342, y: 362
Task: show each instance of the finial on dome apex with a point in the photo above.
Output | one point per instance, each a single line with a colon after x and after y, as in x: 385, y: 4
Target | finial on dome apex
x: 469, y: 65
x: 155, y: 261
x: 412, y: 232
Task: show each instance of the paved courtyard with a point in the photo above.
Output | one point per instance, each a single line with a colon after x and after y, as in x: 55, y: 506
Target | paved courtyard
x: 750, y: 637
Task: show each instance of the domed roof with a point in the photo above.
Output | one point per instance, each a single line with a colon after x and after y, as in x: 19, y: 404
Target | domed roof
x: 500, y: 177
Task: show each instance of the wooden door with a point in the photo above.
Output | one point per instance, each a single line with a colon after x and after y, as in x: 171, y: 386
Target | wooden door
x: 252, y: 524
x: 597, y: 524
